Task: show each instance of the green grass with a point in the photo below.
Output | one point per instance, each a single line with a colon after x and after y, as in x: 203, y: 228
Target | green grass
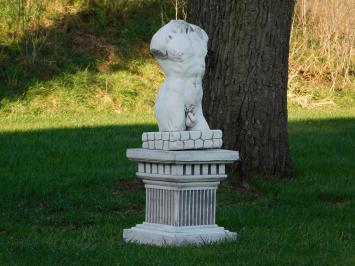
x: 67, y: 191
x: 69, y: 111
x: 89, y: 57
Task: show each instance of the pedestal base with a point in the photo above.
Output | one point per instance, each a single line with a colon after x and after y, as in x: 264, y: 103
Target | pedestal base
x: 180, y: 196
x: 158, y: 234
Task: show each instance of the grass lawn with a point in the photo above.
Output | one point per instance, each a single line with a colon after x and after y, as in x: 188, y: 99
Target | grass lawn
x: 77, y: 86
x: 67, y: 191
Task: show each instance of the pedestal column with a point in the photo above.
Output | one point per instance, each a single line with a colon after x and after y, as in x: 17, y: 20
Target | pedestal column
x: 180, y: 195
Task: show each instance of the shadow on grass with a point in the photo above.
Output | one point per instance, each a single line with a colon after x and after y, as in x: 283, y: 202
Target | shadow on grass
x: 323, y: 147
x: 92, y: 39
x: 73, y: 171
x: 72, y: 191
x: 85, y: 164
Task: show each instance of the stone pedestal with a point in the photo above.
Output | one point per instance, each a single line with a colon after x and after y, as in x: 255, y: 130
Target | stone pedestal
x: 180, y: 195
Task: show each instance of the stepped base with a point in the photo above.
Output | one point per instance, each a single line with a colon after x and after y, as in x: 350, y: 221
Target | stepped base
x: 158, y: 234
x: 180, y: 196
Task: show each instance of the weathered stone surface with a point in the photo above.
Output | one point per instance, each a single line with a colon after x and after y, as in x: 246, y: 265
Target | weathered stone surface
x: 195, y: 134
x: 189, y: 144
x: 188, y: 156
x: 208, y: 144
x: 174, y: 136
x: 184, y: 136
x: 151, y: 234
x: 180, y: 178
x: 216, y: 143
x: 199, y: 144
x: 180, y: 62
x: 176, y: 145
x: 151, y: 135
x: 151, y: 144
x: 159, y: 144
x: 166, y: 145
x: 191, y: 177
x: 220, y: 142
x: 158, y: 135
x: 165, y: 135
x: 217, y: 134
x: 207, y: 134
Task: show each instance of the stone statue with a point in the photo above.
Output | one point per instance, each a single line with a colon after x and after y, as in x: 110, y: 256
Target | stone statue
x: 180, y: 49
x: 181, y: 165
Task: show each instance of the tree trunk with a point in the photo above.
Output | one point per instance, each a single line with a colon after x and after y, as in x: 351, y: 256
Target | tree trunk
x: 245, y: 84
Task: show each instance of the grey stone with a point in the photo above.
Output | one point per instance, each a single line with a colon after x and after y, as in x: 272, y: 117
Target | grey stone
x: 180, y: 184
x: 176, y: 145
x: 179, y: 66
x: 151, y: 144
x: 216, y: 143
x: 165, y: 135
x: 174, y: 236
x: 189, y: 144
x: 185, y: 135
x: 220, y: 142
x: 195, y: 135
x: 207, y: 134
x: 186, y: 156
x: 217, y: 134
x: 199, y: 144
x: 151, y: 135
x: 157, y: 135
x: 158, y: 144
x: 174, y: 136
x: 176, y: 174
x: 208, y: 144
x: 166, y: 145
x: 144, y: 137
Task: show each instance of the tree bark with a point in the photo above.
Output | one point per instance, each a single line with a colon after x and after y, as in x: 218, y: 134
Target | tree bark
x: 245, y: 84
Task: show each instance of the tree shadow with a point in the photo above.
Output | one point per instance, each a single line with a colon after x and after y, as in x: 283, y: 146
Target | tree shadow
x: 323, y: 147
x: 61, y: 189
x: 83, y: 165
x: 94, y: 39
x: 74, y: 171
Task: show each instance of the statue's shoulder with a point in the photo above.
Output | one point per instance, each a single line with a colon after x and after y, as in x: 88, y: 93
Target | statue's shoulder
x: 200, y: 32
x: 182, y: 26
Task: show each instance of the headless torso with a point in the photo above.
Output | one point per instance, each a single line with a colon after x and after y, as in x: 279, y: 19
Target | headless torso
x: 180, y: 49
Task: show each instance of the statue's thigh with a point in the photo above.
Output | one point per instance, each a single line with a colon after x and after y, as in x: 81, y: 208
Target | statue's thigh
x: 171, y: 114
x: 201, y: 121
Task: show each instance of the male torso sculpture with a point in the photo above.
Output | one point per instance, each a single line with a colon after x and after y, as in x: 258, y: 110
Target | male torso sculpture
x: 180, y: 49
x: 182, y: 166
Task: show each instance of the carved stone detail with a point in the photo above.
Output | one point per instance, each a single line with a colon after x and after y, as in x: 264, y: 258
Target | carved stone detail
x: 180, y: 195
x: 180, y: 49
x: 182, y: 140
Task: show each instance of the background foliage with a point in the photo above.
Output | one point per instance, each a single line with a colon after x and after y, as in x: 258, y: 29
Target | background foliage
x: 322, y: 62
x: 77, y: 55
